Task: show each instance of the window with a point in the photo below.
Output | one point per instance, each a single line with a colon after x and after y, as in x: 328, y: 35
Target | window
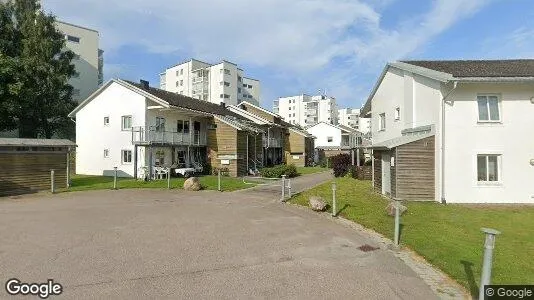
x: 177, y: 72
x: 106, y: 153
x: 488, y: 167
x: 244, y: 85
x: 329, y: 139
x: 290, y: 108
x: 126, y: 156
x: 226, y: 83
x: 225, y: 96
x: 226, y: 71
x: 249, y: 86
x: 239, y: 78
x: 177, y: 83
x: 488, y: 108
x: 126, y: 122
x: 106, y: 121
x: 73, y: 39
x: 181, y: 82
x: 160, y: 124
x: 239, y: 90
x: 293, y: 114
x: 186, y: 126
x: 181, y: 71
x: 382, y: 122
x: 397, y: 113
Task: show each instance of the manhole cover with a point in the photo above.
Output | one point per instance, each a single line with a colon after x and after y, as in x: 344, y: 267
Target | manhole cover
x: 367, y: 248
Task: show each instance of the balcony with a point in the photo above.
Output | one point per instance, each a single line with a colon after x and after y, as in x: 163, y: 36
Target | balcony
x: 150, y: 136
x: 272, y: 143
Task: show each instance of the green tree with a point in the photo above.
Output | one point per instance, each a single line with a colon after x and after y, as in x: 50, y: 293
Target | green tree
x: 35, y: 97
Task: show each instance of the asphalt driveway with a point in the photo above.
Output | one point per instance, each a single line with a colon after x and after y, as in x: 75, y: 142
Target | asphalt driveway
x: 177, y: 244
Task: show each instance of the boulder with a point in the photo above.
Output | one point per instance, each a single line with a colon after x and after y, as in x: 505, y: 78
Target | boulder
x: 390, y: 209
x: 317, y: 203
x: 192, y: 184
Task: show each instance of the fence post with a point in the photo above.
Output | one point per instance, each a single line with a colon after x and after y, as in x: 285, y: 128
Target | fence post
x: 489, y: 244
x: 219, y: 180
x: 283, y: 188
x: 397, y: 222
x: 169, y: 178
x: 334, y: 208
x: 289, y: 188
x: 52, y: 181
x: 115, y: 178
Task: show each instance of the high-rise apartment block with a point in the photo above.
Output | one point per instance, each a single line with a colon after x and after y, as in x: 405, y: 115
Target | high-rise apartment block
x: 351, y: 117
x: 305, y: 110
x: 88, y: 60
x: 220, y: 83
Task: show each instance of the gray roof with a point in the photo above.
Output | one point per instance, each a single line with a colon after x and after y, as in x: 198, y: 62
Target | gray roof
x: 36, y: 142
x: 402, y: 140
x: 479, y: 68
x: 240, y: 123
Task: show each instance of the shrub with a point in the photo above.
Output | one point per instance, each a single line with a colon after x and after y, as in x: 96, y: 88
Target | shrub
x: 278, y: 171
x: 341, y: 164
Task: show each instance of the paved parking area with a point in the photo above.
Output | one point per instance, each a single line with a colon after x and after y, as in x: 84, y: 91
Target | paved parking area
x: 177, y: 244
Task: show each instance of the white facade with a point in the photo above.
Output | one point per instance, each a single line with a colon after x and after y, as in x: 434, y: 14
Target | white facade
x: 88, y: 62
x: 330, y: 136
x: 305, y: 110
x: 102, y: 138
x: 406, y: 100
x: 351, y: 117
x: 223, y: 82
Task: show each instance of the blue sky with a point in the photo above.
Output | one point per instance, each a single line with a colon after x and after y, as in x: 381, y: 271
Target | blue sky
x: 300, y: 46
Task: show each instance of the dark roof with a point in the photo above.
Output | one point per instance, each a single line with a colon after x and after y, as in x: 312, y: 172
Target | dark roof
x: 479, y: 68
x: 36, y: 142
x: 186, y: 102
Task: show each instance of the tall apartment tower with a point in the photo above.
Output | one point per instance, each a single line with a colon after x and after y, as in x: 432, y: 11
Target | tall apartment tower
x: 88, y: 60
x: 220, y: 83
x: 351, y: 117
x: 306, y: 110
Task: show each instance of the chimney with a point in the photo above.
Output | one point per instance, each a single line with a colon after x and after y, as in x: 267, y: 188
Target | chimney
x: 145, y: 84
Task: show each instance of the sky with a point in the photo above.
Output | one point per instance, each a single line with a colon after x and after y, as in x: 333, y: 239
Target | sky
x: 300, y: 46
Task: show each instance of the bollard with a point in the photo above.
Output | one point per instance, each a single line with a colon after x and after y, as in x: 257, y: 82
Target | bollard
x: 489, y: 244
x: 169, y: 178
x: 283, y: 188
x: 289, y: 188
x: 397, y: 222
x: 115, y: 178
x: 219, y: 180
x: 334, y: 209
x: 52, y: 181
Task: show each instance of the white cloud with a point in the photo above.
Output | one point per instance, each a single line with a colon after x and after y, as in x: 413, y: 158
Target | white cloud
x: 299, y: 37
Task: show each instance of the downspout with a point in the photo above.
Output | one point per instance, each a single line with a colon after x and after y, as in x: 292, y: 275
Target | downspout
x: 443, y: 200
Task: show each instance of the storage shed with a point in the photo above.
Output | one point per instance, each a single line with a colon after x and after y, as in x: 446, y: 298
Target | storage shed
x: 26, y: 164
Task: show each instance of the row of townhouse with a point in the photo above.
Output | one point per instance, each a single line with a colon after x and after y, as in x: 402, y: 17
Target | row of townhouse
x: 454, y: 131
x: 135, y: 127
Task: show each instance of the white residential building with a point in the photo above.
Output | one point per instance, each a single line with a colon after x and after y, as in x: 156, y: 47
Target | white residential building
x: 333, y: 136
x: 88, y: 60
x: 351, y: 117
x: 454, y: 131
x: 305, y: 110
x: 220, y: 83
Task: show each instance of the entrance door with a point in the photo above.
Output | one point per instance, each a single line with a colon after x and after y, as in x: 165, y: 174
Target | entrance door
x: 386, y: 173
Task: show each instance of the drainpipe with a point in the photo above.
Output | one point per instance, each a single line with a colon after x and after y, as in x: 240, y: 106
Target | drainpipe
x: 443, y: 200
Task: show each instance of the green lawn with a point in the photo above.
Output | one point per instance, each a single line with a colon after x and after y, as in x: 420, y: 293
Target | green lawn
x: 310, y: 170
x: 447, y: 236
x: 84, y: 182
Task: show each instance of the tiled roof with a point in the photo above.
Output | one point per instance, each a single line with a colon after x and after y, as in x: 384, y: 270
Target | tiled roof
x: 186, y: 102
x: 479, y: 68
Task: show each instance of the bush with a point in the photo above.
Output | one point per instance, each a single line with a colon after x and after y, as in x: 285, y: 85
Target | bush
x: 278, y: 171
x: 341, y: 164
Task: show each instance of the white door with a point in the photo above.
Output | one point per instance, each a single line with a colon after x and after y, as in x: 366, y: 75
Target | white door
x: 386, y: 173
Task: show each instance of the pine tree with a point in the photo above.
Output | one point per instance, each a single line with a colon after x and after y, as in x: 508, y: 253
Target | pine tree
x: 35, y: 97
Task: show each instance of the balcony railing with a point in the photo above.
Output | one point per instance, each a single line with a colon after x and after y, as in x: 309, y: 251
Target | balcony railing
x: 148, y: 135
x: 272, y: 143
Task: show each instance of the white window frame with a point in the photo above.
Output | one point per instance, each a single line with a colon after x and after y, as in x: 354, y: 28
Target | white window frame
x: 382, y: 125
x: 122, y: 122
x: 123, y: 151
x: 106, y: 153
x: 106, y: 121
x: 397, y: 113
x: 486, y: 182
x: 488, y: 108
x: 329, y: 139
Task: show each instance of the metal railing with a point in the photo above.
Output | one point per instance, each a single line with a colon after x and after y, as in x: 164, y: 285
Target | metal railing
x: 147, y: 135
x: 272, y: 142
